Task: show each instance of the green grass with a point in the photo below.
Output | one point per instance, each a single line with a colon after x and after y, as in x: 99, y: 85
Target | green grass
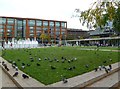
x: 45, y: 74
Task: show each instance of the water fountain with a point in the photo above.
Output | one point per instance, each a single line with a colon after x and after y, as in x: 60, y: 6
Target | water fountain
x: 21, y: 44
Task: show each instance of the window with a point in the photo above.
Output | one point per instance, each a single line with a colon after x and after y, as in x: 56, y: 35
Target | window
x: 24, y: 22
x: 57, y: 33
x: 31, y: 22
x: 3, y: 20
x: 51, y: 24
x: 1, y: 30
x: 63, y: 24
x: 39, y: 23
x: 9, y: 30
x: 10, y: 20
x: 57, y: 29
x: 45, y: 23
x: 57, y: 24
x: 9, y: 27
x: 63, y: 30
x: 19, y: 22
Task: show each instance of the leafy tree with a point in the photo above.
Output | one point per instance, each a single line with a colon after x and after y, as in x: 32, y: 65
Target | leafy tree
x: 42, y: 36
x: 48, y: 38
x: 100, y: 13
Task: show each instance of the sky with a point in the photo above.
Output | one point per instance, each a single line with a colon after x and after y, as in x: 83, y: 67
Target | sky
x: 46, y: 9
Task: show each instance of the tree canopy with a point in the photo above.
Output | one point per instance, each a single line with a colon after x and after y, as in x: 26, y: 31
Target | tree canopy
x: 100, y: 13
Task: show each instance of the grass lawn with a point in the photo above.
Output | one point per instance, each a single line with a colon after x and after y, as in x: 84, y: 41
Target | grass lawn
x: 45, y: 74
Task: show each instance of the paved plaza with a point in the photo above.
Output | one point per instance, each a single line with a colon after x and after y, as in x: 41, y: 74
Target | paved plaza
x: 5, y: 80
x: 109, y: 81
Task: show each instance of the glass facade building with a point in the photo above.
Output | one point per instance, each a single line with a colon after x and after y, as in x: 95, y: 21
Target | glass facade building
x: 14, y: 27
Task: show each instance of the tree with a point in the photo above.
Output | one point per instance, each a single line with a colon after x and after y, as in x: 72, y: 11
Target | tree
x: 100, y: 13
x: 42, y: 36
x: 48, y: 38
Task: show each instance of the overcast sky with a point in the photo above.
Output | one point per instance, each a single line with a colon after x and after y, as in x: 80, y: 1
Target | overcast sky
x: 45, y: 9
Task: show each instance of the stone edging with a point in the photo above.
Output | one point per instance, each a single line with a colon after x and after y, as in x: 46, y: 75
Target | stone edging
x: 89, y: 82
x: 11, y: 77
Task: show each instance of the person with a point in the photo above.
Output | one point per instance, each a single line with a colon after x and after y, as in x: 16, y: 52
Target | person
x: 11, y: 44
x: 3, y: 44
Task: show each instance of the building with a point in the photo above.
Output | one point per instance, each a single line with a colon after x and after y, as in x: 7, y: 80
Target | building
x: 106, y: 37
x: 76, y: 34
x: 16, y: 27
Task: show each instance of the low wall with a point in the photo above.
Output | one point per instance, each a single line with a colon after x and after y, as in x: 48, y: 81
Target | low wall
x: 11, y: 77
x: 89, y: 82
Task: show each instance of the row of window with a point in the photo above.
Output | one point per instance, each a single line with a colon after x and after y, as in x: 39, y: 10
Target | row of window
x: 32, y: 22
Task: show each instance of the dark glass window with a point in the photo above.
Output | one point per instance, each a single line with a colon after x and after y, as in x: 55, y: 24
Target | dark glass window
x: 31, y: 22
x: 3, y: 20
x: 39, y: 23
x: 57, y: 24
x: 45, y: 23
x: 51, y: 24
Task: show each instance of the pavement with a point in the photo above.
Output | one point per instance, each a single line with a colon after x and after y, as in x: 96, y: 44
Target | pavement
x: 5, y: 80
x: 77, y: 81
x: 112, y: 50
x: 84, y: 79
x: 109, y: 81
